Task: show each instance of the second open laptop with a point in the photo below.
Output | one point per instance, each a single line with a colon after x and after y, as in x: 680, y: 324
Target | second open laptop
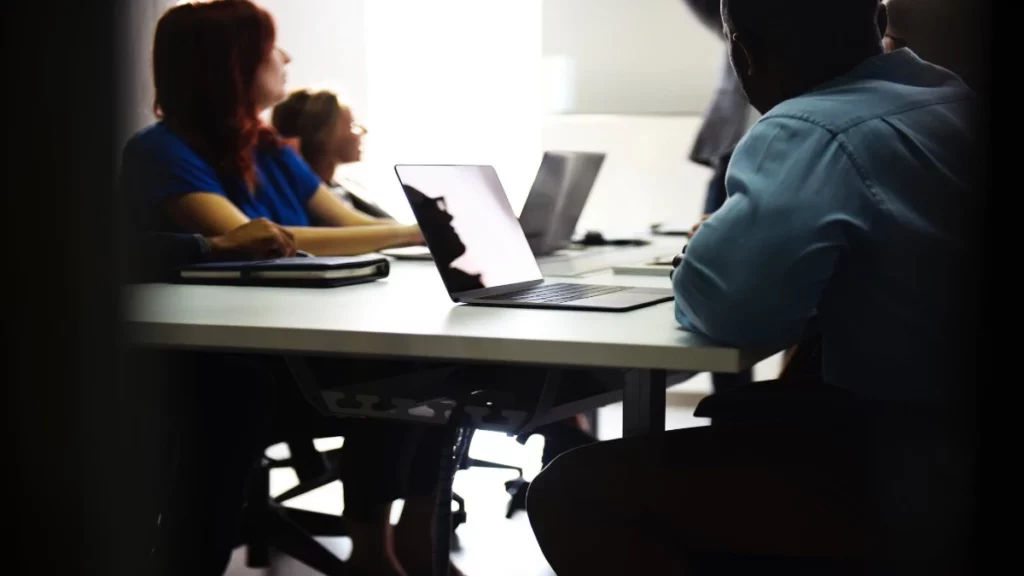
x: 483, y: 254
x: 557, y: 197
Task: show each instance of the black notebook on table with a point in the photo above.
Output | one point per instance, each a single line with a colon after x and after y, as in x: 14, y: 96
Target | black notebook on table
x: 314, y: 272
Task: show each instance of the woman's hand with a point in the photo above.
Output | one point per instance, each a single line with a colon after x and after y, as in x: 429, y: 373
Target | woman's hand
x: 255, y: 240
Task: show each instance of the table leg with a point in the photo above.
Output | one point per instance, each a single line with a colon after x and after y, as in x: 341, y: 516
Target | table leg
x: 643, y: 403
x: 453, y: 452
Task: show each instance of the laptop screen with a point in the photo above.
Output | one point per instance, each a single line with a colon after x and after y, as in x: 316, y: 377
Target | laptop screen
x: 556, y: 200
x: 470, y: 227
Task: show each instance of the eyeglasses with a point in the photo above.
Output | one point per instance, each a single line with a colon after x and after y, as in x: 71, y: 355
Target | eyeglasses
x: 358, y: 129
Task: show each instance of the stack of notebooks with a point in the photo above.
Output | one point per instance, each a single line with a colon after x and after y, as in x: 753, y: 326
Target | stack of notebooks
x: 313, y: 272
x: 661, y: 266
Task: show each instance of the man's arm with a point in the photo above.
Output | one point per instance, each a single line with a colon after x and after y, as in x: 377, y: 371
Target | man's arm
x: 754, y: 272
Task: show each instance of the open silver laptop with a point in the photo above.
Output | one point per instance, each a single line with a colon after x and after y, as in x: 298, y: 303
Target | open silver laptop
x: 552, y: 209
x: 556, y: 200
x: 481, y: 251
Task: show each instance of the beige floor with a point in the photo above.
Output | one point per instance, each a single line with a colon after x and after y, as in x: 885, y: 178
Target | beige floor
x: 490, y: 544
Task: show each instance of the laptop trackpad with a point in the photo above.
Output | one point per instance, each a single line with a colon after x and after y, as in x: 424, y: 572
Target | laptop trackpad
x: 631, y: 298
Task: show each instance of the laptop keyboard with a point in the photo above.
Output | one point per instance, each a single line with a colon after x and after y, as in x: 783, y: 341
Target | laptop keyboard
x: 556, y: 293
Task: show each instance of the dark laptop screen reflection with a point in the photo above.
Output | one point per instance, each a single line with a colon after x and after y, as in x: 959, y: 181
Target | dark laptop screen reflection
x: 445, y: 245
x: 472, y: 232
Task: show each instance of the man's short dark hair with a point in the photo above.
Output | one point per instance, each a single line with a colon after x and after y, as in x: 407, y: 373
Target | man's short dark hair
x: 802, y: 24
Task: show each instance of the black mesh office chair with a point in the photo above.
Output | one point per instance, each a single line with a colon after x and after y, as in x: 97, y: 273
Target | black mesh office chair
x: 489, y: 404
x: 269, y: 523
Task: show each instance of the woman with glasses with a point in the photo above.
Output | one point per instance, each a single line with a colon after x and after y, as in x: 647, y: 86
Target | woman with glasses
x: 327, y: 135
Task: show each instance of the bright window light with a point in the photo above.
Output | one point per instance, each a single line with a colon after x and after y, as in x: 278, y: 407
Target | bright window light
x: 454, y: 82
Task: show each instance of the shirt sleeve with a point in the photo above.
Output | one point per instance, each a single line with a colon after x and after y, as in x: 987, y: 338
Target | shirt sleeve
x: 164, y: 253
x: 754, y: 273
x: 158, y: 166
x: 305, y: 182
x: 174, y: 250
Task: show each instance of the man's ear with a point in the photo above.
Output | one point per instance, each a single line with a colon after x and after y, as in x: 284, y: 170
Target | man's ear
x: 741, y: 58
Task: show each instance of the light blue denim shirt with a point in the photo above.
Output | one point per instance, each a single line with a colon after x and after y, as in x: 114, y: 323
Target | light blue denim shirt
x: 844, y: 203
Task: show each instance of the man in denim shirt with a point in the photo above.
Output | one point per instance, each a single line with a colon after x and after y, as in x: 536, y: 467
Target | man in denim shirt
x: 850, y: 205
x: 845, y: 204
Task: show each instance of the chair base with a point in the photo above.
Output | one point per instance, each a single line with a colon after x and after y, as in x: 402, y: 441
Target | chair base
x: 285, y: 530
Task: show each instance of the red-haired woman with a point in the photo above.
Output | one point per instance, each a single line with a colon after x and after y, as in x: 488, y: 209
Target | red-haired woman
x: 210, y: 165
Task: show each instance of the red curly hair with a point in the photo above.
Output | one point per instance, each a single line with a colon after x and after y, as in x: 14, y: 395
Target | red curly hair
x: 205, y: 58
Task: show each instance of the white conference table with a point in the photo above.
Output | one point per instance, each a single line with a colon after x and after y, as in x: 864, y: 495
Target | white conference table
x: 410, y: 316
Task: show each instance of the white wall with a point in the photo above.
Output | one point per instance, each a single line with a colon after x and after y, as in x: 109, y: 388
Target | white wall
x: 137, y: 20
x: 453, y: 81
x: 647, y: 176
x: 631, y: 56
x: 327, y: 42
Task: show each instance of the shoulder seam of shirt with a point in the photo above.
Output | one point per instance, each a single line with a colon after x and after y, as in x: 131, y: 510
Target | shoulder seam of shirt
x: 895, y: 111
x: 775, y: 132
x: 862, y: 172
x: 800, y: 118
x: 851, y: 156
